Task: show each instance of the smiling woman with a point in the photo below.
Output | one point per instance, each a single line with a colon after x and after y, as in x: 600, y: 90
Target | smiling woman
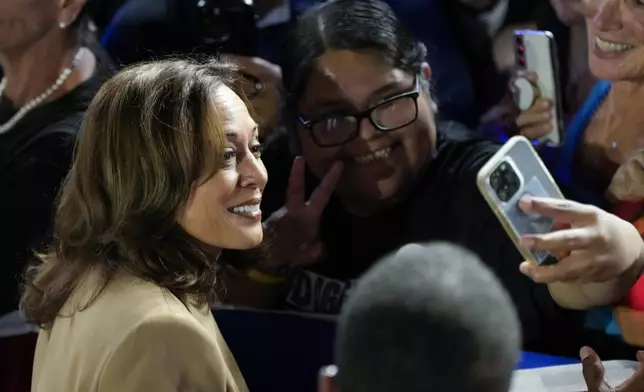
x: 167, y: 160
x: 372, y: 169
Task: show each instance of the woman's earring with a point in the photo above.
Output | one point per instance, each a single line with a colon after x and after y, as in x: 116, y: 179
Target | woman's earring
x: 62, y: 25
x: 434, y: 107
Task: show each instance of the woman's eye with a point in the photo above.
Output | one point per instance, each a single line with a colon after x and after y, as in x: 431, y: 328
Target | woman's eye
x: 229, y: 156
x: 257, y: 149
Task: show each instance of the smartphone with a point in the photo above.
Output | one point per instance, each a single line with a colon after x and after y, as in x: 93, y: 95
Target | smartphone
x: 513, y: 172
x: 536, y: 51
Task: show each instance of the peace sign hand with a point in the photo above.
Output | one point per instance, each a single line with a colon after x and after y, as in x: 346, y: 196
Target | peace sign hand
x: 296, y: 226
x: 595, y: 374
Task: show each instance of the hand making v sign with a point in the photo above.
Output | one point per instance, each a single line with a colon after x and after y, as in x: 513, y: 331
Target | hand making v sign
x: 295, y: 227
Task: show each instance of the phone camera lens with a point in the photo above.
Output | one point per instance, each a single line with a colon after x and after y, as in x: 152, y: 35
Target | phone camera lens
x: 519, y: 39
x: 505, y: 182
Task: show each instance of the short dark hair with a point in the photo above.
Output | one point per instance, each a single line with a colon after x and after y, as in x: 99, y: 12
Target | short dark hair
x: 358, y: 25
x: 428, y: 318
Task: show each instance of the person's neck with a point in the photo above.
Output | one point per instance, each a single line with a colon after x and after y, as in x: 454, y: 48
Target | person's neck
x: 31, y: 71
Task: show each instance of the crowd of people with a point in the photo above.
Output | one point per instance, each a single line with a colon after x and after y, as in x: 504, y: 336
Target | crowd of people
x: 320, y: 161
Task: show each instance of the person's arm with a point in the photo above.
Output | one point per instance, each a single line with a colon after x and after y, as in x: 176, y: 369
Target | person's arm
x: 589, y: 295
x: 169, y: 353
x: 252, y: 287
x: 602, y: 255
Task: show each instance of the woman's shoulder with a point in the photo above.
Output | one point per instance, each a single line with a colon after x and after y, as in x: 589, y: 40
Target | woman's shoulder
x: 121, y: 306
x: 129, y: 331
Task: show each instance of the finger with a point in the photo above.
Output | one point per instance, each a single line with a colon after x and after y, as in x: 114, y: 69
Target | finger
x: 570, y: 269
x: 536, y: 115
x: 295, y: 193
x: 634, y: 383
x: 566, y: 240
x: 532, y: 76
x: 326, y: 377
x: 537, y: 131
x: 593, y: 371
x: 561, y: 210
x: 256, y: 66
x: 323, y: 192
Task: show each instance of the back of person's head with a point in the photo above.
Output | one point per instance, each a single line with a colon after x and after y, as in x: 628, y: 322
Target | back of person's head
x: 356, y: 25
x: 151, y: 134
x: 428, y: 318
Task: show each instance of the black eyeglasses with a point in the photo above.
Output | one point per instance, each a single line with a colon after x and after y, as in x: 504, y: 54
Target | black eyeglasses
x: 391, y: 114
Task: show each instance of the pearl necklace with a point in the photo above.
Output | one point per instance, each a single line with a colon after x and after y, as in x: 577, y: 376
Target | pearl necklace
x: 22, y: 112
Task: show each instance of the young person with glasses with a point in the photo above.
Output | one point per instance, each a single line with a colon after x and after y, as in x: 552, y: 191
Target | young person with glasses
x: 376, y: 170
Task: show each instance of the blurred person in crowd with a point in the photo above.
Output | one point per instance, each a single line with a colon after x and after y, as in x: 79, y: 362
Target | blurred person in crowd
x: 51, y: 67
x: 444, y: 322
x: 604, y: 133
x: 166, y: 174
x: 477, y: 25
x: 563, y: 18
x: 376, y: 170
x: 103, y: 12
x: 143, y: 30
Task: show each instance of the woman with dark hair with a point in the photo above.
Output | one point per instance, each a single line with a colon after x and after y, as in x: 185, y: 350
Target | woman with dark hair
x: 167, y: 173
x: 51, y: 70
x: 380, y: 172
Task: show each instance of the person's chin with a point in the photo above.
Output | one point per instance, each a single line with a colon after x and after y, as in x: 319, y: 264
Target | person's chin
x: 247, y: 237
x: 603, y: 71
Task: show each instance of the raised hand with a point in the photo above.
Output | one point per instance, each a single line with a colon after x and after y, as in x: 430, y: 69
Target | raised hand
x: 595, y: 375
x: 294, y: 229
x: 264, y: 96
x: 597, y: 246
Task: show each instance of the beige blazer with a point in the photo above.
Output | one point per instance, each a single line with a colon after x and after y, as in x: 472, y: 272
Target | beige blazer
x: 135, y: 337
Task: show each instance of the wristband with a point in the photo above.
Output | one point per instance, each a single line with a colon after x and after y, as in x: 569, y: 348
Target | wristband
x: 260, y: 277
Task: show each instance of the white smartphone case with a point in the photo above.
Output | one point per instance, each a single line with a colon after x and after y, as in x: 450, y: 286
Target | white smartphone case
x: 536, y: 51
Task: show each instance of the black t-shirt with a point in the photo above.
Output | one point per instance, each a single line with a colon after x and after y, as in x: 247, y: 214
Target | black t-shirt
x: 35, y: 156
x: 445, y: 205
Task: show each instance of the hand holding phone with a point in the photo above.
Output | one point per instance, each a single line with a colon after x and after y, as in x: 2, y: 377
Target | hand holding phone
x: 536, y: 88
x: 514, y: 172
x: 592, y: 246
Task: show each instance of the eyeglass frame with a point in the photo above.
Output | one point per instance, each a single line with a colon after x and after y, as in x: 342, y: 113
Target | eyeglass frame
x: 360, y: 116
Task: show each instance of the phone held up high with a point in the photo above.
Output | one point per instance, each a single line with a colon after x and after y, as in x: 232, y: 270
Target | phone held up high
x: 513, y: 172
x: 536, y: 51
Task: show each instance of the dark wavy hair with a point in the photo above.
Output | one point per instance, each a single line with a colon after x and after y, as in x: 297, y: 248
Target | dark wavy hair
x: 149, y: 135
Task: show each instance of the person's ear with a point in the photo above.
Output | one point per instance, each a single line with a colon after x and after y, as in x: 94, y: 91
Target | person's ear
x: 426, y: 71
x: 326, y: 379
x: 69, y: 11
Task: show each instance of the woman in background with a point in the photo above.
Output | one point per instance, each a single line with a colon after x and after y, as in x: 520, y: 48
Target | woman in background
x: 607, y: 130
x: 167, y: 173
x: 51, y: 70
